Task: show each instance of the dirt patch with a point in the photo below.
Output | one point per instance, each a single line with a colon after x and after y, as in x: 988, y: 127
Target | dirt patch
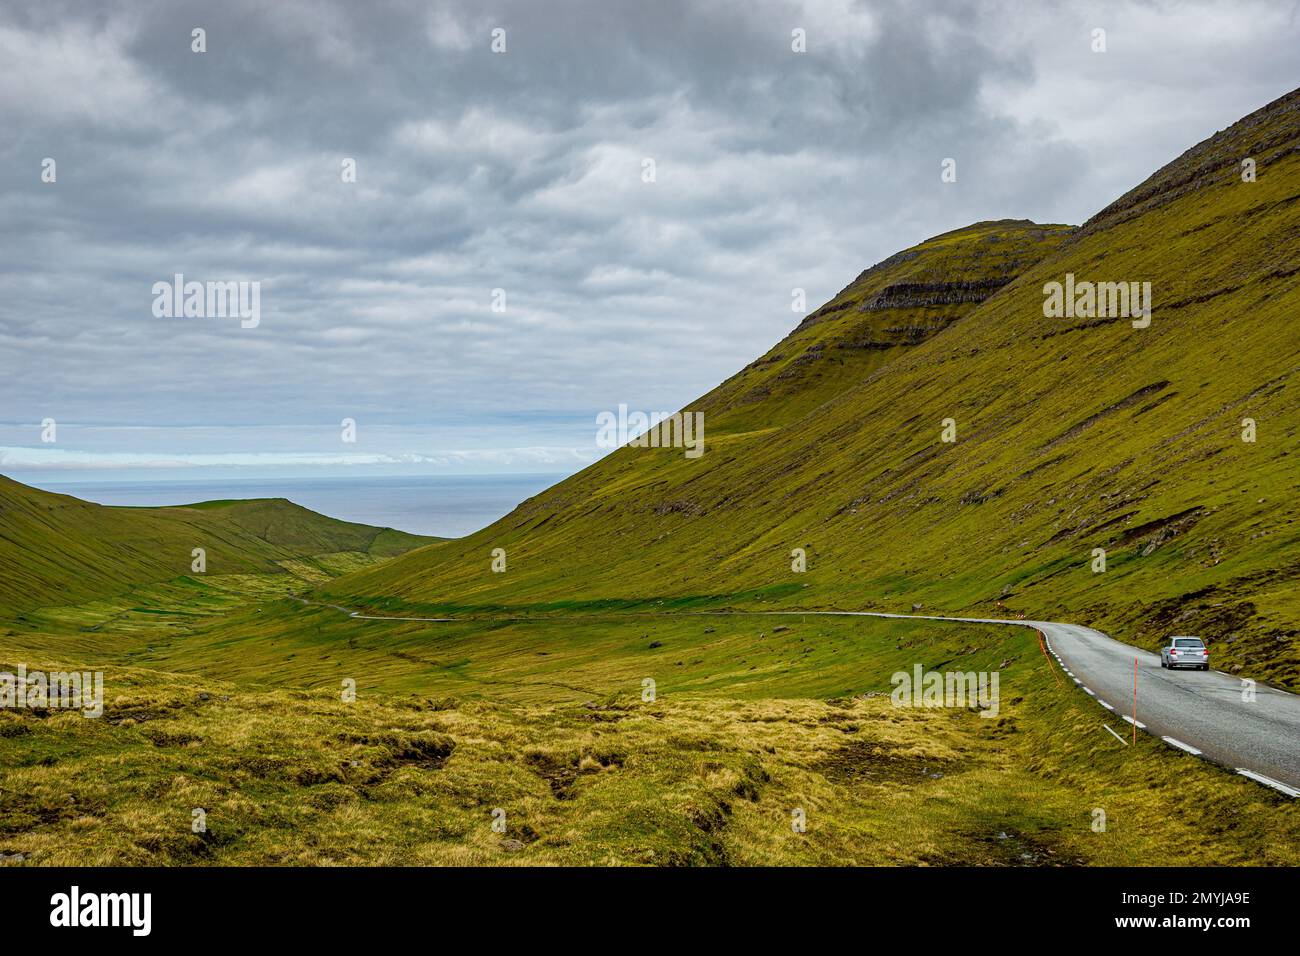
x: 136, y: 711
x: 1012, y: 848
x: 877, y: 761
x: 710, y: 818
x: 161, y: 737
x: 423, y: 749
x: 13, y: 727
x: 1152, y: 534
x: 26, y: 812
x: 560, y: 771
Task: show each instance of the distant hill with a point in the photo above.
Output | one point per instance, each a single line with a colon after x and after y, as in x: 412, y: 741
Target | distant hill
x: 1073, y: 433
x: 59, y: 549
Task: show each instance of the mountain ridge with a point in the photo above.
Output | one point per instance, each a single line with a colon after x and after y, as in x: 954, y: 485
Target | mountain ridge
x: 60, y: 549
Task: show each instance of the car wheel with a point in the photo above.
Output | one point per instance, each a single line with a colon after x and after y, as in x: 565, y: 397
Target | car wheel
x: 1162, y: 663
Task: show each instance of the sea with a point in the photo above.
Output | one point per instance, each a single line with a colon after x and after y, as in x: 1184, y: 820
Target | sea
x: 447, y: 506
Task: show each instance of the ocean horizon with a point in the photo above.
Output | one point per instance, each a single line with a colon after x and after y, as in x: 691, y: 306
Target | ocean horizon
x: 446, y: 506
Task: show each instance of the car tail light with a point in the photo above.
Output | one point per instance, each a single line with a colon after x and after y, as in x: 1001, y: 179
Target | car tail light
x: 1173, y: 653
x: 1205, y: 653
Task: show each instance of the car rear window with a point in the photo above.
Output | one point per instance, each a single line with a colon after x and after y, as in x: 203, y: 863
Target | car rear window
x: 1188, y: 642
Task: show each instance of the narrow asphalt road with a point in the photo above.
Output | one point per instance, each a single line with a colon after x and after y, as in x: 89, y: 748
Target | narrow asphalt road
x: 1206, y: 713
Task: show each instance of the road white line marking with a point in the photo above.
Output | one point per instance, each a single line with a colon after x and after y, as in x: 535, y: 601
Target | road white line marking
x: 1088, y: 691
x: 1077, y: 681
x: 1269, y: 782
x: 1115, y: 735
x: 1181, y: 746
x: 1136, y: 723
x: 1104, y: 704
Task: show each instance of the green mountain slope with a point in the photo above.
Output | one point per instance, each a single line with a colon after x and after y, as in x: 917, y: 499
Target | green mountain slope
x: 55, y: 549
x: 887, y: 310
x: 1072, y: 434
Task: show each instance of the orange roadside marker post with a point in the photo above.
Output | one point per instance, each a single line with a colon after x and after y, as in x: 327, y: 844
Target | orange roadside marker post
x: 1042, y: 646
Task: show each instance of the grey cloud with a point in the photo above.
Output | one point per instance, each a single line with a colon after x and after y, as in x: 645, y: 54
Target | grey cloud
x: 522, y: 171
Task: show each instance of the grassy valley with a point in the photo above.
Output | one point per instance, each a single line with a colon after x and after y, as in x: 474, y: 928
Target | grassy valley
x: 224, y: 696
x: 752, y: 721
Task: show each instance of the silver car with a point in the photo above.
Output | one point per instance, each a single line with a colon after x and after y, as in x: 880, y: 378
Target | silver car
x: 1185, y: 652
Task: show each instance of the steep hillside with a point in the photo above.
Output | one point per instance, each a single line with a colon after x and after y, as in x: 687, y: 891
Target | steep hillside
x: 890, y: 308
x: 1073, y: 434
x: 59, y: 549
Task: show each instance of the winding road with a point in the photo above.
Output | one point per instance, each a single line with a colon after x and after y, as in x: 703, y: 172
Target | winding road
x: 1206, y: 713
x: 1251, y: 729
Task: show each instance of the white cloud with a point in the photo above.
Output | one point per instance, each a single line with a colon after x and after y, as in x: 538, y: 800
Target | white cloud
x: 17, y: 459
x: 74, y: 73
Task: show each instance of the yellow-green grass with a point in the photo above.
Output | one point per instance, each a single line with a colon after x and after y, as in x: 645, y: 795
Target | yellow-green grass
x: 294, y: 777
x: 234, y: 705
x: 259, y: 637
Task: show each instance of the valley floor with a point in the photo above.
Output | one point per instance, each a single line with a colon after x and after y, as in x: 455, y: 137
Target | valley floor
x: 538, y: 741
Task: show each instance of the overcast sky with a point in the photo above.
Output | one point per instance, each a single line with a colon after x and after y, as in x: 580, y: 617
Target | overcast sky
x: 523, y: 171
